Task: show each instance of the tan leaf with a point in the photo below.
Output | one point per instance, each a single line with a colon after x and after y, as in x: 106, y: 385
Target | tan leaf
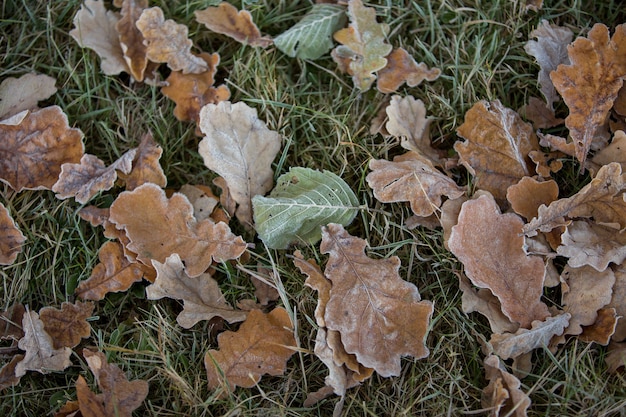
x: 411, y: 177
x: 262, y: 345
x: 528, y: 194
x: 589, y: 85
x: 496, y: 147
x: 557, y: 143
x: 95, y: 28
x: 614, y: 152
x: 363, y: 44
x: 31, y: 153
x: 592, y: 244
x: 616, y: 357
x: 450, y: 210
x: 227, y: 20
x: 380, y: 316
x: 602, y: 329
x: 11, y: 323
x: 18, y: 94
x: 484, y: 302
x: 131, y: 39
x: 87, y: 178
x: 240, y: 148
x: 166, y: 41
x: 541, y: 115
x: 202, y: 298
x: 401, y: 67
x: 546, y: 163
x: 68, y: 325
x: 146, y: 167
x: 11, y: 239
x: 490, y: 246
x: 503, y: 396
x: 618, y: 302
x: 158, y: 227
x: 41, y: 356
x: 316, y: 280
x: 7, y: 373
x: 202, y: 200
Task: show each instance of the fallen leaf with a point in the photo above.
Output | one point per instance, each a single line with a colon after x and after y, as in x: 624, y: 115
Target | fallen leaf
x: 592, y: 244
x: 11, y: 323
x: 496, y: 148
x: 227, y: 20
x: 363, y: 44
x: 11, y: 239
x: 131, y: 39
x: 316, y: 280
x: 557, y: 143
x: 616, y: 357
x: 589, y: 85
x: 262, y: 345
x: 540, y: 114
x: 241, y: 149
x: 89, y: 403
x: 614, y: 152
x: 166, y: 41
x: 503, y: 396
x: 146, y: 167
x: 546, y: 163
x: 401, y: 67
x: 602, y: 329
x: 490, y: 246
x: 449, y: 216
x: 534, y: 5
x: 263, y: 291
x: 68, y: 325
x: 617, y: 302
x: 18, y: 94
x: 7, y: 373
x: 484, y: 302
x: 31, y: 153
x: 203, y: 201
x: 528, y: 194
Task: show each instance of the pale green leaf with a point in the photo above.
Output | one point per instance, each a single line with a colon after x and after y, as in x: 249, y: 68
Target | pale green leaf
x: 311, y: 37
x: 302, y: 202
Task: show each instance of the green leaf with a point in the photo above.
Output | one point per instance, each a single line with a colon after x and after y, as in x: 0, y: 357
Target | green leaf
x: 311, y: 37
x: 302, y: 202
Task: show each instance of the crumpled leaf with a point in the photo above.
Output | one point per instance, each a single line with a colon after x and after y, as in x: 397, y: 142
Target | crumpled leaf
x: 240, y: 148
x: 11, y: 238
x: 503, y: 395
x: 311, y: 37
x: 589, y: 85
x: 166, y: 41
x: 411, y: 177
x: 529, y: 194
x: 401, y: 67
x: 227, y: 20
x: 95, y: 28
x: 158, y: 227
x: 262, y: 345
x: 490, y: 246
x: 380, y: 316
x: 614, y: 152
x: 302, y: 201
x: 592, y: 244
x: 131, y: 39
x: 68, y: 325
x: 202, y: 200
x: 18, y: 94
x: 484, y: 302
x: 362, y: 44
x: 496, y: 148
x: 202, y: 298
x: 146, y: 166
x: 32, y: 152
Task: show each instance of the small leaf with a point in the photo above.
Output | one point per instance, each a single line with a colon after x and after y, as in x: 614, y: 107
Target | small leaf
x: 146, y: 166
x: 401, y: 67
x: 67, y: 326
x: 225, y: 19
x: 18, y: 94
x: 131, y: 39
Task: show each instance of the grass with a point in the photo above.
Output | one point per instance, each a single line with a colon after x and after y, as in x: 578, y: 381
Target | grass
x: 477, y: 44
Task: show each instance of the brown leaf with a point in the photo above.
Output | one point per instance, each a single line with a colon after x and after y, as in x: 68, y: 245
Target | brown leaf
x: 616, y: 357
x: 411, y: 177
x: 263, y: 291
x: 11, y: 239
x: 618, y: 302
x: 11, y: 322
x: 496, y: 147
x: 592, y: 244
x: 589, y: 86
x: 18, y: 94
x: 227, y: 20
x: 316, y: 280
x: 534, y: 5
x: 31, y: 153
x: 490, y: 246
x: 602, y: 329
x: 67, y: 326
x: 541, y: 115
x: 202, y: 200
x: 614, y: 152
x: 7, y: 373
x: 557, y: 143
x: 146, y: 167
x: 503, y: 396
x: 528, y: 194
x: 401, y: 67
x: 202, y: 298
x: 131, y: 39
x: 166, y: 41
x: 380, y: 316
x: 484, y: 302
x: 158, y: 227
x: 89, y: 403
x: 262, y: 345
x: 546, y: 163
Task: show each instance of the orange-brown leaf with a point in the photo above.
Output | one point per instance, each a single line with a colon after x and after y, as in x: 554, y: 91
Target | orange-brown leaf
x: 146, y: 166
x: 11, y: 238
x: 67, y: 325
x: 11, y: 322
x: 225, y: 19
x: 7, y: 373
x: 618, y: 301
x: 602, y: 329
x: 131, y: 39
x: 527, y: 195
x: 401, y: 67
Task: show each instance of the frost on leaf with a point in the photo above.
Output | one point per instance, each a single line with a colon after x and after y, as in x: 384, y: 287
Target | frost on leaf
x: 503, y: 395
x: 166, y: 41
x: 146, y: 167
x: 262, y: 345
x: 362, y: 45
x: 68, y: 325
x: 491, y: 248
x: 380, y: 316
x: 496, y: 148
x: 32, y: 152
x: 590, y: 84
x: 592, y: 244
x: 411, y: 177
x: 529, y: 194
x: 131, y: 39
x: 158, y: 227
x: 202, y: 298
x: 11, y: 238
x: 240, y: 148
x: 227, y: 20
x: 18, y: 94
x: 401, y: 67
x: 484, y: 302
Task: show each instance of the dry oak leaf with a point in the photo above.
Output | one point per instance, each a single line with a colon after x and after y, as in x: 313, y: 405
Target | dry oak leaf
x: 202, y: 199
x: 7, y: 373
x: 41, y: 356
x: 380, y: 316
x: 241, y: 149
x: 540, y: 114
x: 529, y: 194
x: 557, y: 143
x: 614, y: 152
x: 11, y: 238
x: 546, y: 163
x: 589, y: 86
x: 202, y: 298
x: 262, y: 345
x: 401, y: 67
x: 114, y: 273
x: 617, y: 302
x: 484, y: 302
x: 68, y: 325
x: 32, y: 153
x: 362, y: 45
x: 491, y: 247
x: 411, y: 177
x: 602, y: 329
x: 95, y: 28
x: 503, y: 396
x: 592, y: 244
x: 11, y: 323
x: 131, y: 39
x: 602, y: 199
x: 158, y: 227
x: 227, y: 20
x: 166, y: 41
x: 496, y: 148
x: 146, y: 167
x: 18, y: 94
